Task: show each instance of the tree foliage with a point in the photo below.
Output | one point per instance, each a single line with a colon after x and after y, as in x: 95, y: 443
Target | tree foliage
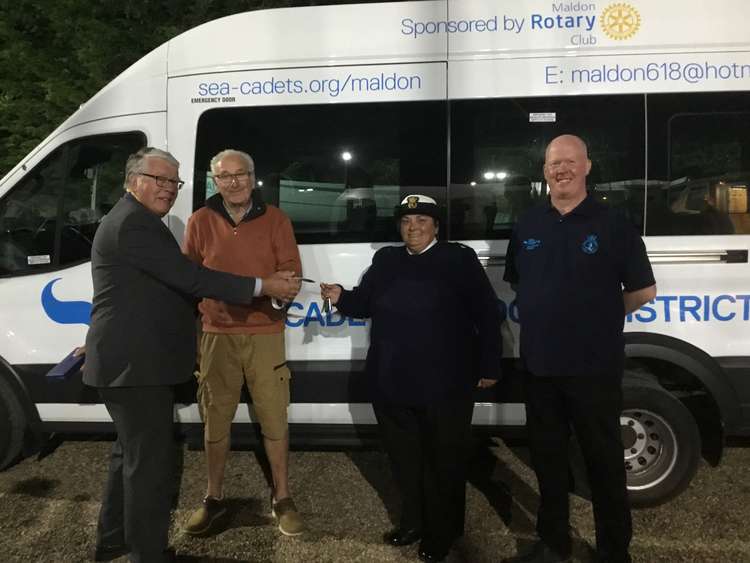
x: 55, y: 54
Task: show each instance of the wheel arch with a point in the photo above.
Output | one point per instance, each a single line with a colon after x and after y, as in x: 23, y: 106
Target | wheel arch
x: 694, y: 361
x: 718, y: 412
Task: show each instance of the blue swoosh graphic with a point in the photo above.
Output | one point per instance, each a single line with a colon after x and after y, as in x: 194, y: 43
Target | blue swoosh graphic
x: 65, y: 312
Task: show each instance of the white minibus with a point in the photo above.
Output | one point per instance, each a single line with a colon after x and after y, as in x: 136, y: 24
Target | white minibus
x: 455, y: 99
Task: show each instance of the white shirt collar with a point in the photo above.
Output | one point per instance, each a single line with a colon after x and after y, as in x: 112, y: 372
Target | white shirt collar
x: 425, y: 249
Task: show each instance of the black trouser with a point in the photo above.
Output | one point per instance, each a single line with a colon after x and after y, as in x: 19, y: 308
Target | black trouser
x: 138, y: 494
x: 592, y: 406
x: 429, y: 448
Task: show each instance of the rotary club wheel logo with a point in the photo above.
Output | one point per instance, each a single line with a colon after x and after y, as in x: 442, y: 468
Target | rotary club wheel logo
x: 620, y: 21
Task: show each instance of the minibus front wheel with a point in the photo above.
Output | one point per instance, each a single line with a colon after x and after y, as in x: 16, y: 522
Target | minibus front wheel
x: 661, y: 444
x: 12, y: 424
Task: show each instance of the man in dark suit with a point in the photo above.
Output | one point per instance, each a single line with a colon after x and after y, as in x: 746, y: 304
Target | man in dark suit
x: 141, y: 343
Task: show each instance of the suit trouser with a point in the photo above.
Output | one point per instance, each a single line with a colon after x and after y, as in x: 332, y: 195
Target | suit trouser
x: 138, y: 494
x: 592, y: 406
x: 428, y: 448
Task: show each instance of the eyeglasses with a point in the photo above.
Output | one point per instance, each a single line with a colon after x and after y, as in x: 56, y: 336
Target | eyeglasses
x: 163, y: 181
x: 226, y: 179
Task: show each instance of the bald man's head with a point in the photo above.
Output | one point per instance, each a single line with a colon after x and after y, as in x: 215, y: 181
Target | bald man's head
x: 573, y: 139
x: 566, y: 165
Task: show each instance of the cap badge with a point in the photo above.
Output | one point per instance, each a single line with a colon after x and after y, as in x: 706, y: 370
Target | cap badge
x: 411, y: 201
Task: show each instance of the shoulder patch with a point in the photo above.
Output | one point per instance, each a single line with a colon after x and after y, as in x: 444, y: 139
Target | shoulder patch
x: 456, y: 246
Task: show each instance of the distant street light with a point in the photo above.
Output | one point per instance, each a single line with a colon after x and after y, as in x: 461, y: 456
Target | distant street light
x: 346, y: 156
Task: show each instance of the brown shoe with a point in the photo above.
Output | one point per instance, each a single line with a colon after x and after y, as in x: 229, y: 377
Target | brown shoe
x: 203, y: 521
x: 290, y: 521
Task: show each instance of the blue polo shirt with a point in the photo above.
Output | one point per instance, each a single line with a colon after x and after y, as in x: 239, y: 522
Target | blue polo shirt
x: 570, y: 271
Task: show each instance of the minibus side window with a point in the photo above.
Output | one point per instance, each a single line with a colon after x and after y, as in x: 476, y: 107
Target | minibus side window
x: 49, y: 218
x: 699, y: 163
x: 27, y: 214
x: 337, y: 170
x: 497, y: 154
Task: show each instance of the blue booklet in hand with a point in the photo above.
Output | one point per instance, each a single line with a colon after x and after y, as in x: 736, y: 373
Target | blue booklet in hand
x: 68, y: 367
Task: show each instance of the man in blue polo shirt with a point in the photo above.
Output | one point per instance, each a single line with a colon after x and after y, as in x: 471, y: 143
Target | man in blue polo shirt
x: 578, y: 268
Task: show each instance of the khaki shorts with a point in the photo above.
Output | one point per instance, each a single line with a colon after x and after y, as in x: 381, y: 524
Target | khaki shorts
x: 228, y: 360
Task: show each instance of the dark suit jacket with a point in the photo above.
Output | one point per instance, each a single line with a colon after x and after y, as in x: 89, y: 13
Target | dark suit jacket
x: 143, y: 317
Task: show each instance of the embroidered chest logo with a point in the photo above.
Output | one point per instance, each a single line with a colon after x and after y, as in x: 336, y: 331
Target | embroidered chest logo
x: 591, y: 244
x: 531, y: 243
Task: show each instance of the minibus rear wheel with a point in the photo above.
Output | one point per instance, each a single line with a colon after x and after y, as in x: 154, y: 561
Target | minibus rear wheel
x: 12, y: 425
x: 662, y: 444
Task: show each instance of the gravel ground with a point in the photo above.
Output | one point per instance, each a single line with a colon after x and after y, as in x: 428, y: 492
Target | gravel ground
x: 48, y: 510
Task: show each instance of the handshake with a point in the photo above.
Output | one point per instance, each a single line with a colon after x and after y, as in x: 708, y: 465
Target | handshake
x: 283, y: 287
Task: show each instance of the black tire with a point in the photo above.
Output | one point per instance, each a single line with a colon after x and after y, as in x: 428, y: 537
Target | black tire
x: 12, y: 425
x: 662, y: 444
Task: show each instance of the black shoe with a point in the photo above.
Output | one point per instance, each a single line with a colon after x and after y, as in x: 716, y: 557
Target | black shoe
x: 431, y: 557
x: 398, y: 536
x: 539, y: 553
x: 108, y: 552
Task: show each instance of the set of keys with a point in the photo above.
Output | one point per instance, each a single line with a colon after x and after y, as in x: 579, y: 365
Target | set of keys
x: 326, y: 301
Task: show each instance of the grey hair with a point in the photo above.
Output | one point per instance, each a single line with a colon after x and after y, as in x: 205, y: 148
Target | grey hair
x: 134, y: 164
x: 232, y: 152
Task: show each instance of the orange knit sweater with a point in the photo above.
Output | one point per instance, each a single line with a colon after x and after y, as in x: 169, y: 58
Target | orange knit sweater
x: 261, y: 244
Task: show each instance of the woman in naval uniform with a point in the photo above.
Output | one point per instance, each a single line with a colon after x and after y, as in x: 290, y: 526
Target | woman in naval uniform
x: 435, y: 337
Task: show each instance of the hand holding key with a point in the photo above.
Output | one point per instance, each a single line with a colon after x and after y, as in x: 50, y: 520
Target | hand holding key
x: 330, y: 293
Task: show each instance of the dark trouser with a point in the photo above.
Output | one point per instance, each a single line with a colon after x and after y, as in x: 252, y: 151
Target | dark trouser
x: 429, y: 447
x: 137, y: 498
x: 592, y: 405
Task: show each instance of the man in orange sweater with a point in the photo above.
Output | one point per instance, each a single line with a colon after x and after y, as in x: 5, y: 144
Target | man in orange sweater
x: 238, y: 233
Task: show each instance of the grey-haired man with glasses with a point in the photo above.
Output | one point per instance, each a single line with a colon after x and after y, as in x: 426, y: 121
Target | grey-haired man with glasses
x: 141, y: 343
x: 238, y: 232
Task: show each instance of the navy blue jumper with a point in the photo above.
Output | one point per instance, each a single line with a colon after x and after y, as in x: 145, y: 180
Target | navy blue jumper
x: 435, y: 323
